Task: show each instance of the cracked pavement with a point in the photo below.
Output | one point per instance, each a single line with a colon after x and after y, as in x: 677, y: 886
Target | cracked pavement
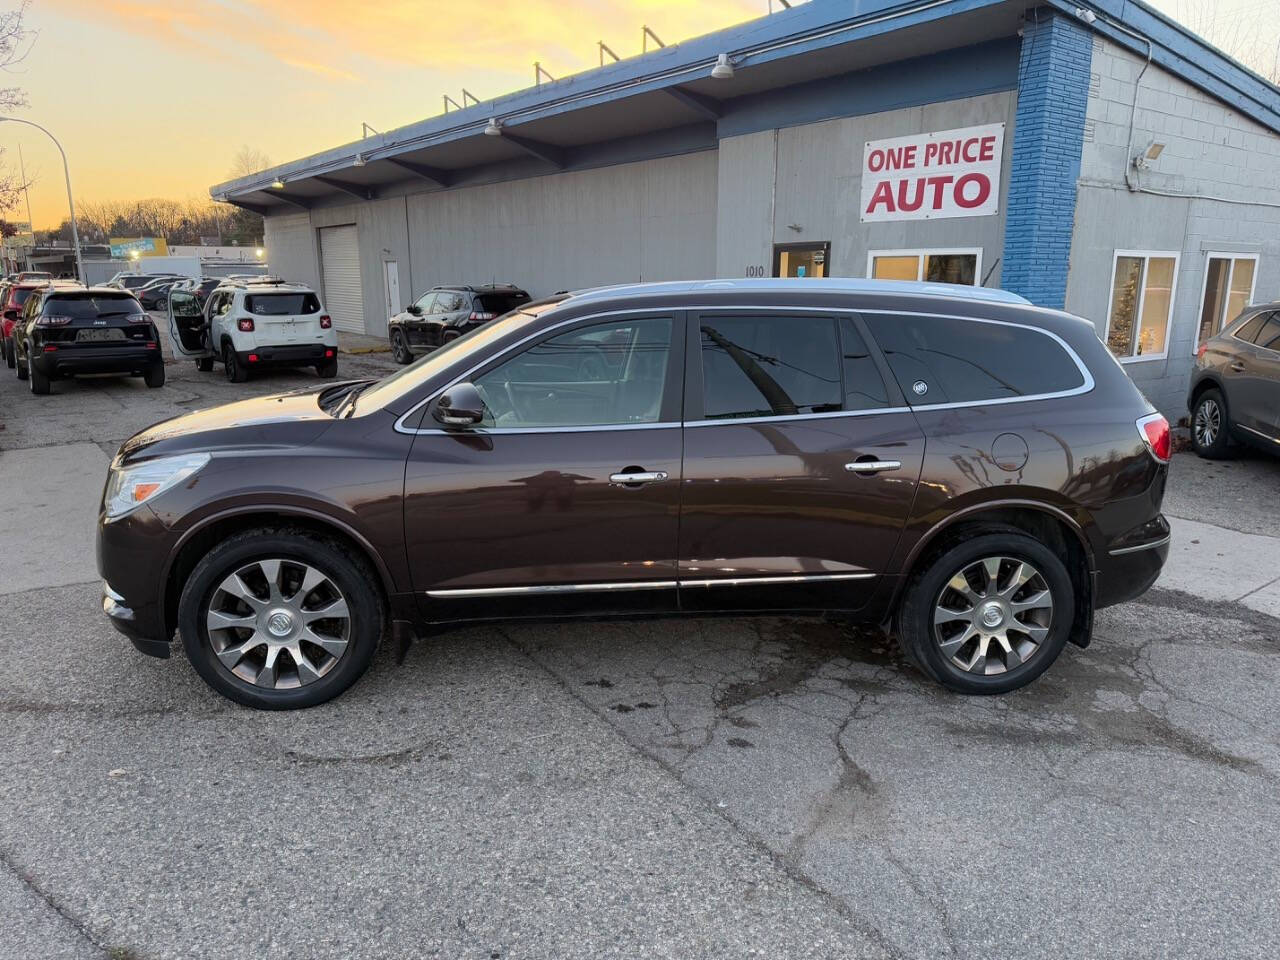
x: 669, y: 788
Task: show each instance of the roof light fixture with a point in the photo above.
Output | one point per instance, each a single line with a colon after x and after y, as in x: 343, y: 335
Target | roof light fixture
x: 359, y: 161
x: 723, y: 70
x: 277, y: 183
x: 493, y: 128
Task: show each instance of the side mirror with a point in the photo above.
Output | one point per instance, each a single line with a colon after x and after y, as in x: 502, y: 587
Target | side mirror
x: 460, y: 406
x: 415, y: 310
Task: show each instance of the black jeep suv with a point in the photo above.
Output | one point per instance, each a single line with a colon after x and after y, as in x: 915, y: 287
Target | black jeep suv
x: 446, y: 313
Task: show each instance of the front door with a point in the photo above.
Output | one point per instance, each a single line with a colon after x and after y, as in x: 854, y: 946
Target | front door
x: 801, y: 462
x: 801, y: 259
x: 186, y: 323
x: 391, y: 276
x: 565, y: 498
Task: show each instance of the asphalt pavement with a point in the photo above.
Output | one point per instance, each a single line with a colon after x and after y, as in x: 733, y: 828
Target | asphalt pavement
x: 703, y: 788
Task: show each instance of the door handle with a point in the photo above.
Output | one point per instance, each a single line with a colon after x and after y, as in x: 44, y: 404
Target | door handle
x: 873, y: 466
x: 639, y: 477
x: 1237, y: 366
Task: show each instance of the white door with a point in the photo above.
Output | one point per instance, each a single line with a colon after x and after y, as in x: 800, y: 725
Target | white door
x: 391, y: 274
x: 340, y: 264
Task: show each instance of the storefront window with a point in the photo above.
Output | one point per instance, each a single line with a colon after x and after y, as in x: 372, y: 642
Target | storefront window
x: 935, y: 266
x: 1142, y: 290
x: 1228, y: 289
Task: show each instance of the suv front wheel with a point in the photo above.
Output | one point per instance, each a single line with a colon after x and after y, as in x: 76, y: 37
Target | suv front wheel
x: 988, y: 615
x: 280, y: 618
x: 1210, y: 429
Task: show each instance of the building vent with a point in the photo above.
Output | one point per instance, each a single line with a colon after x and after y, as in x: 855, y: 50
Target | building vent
x: 1090, y: 127
x: 1095, y: 85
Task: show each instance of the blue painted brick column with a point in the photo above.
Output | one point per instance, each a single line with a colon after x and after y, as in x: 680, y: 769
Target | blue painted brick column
x: 1048, y: 134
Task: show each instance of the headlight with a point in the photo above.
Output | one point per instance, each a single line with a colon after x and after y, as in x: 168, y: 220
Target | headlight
x: 130, y: 487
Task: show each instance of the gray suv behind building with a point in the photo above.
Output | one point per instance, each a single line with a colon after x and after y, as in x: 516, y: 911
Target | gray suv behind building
x: 1235, y: 386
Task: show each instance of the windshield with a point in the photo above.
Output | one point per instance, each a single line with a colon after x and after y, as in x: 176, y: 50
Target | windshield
x: 454, y: 353
x: 88, y: 307
x: 281, y: 304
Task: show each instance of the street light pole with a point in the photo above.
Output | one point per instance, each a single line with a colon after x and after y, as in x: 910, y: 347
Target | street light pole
x: 66, y: 170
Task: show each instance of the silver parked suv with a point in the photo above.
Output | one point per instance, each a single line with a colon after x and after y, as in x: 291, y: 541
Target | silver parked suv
x: 1235, y: 387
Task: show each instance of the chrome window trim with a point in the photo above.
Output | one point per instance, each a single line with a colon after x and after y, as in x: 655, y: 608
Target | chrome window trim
x: 627, y: 585
x: 1086, y: 387
x: 1142, y: 546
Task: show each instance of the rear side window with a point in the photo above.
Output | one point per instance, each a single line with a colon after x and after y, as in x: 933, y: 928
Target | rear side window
x: 761, y: 366
x: 945, y: 360
x: 863, y: 386
x: 1249, y: 331
x: 500, y: 303
x: 19, y: 295
x: 87, y: 308
x: 281, y: 304
x: 1269, y: 336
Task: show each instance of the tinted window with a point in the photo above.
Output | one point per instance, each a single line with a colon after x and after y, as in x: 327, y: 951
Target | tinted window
x: 281, y: 304
x: 1269, y: 336
x: 606, y: 374
x: 88, y: 307
x: 961, y: 361
x: 863, y: 387
x: 769, y: 366
x: 447, y: 303
x: 500, y: 303
x: 19, y: 295
x: 1249, y: 331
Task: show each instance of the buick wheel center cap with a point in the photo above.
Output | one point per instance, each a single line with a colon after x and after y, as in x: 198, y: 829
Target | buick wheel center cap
x: 992, y: 616
x: 280, y: 624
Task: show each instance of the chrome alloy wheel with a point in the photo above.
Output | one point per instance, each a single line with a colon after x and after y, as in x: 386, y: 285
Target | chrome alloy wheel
x: 1208, y: 422
x: 993, y: 615
x: 278, y: 624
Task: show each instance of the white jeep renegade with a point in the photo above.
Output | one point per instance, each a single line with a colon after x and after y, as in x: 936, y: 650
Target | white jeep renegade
x: 254, y: 323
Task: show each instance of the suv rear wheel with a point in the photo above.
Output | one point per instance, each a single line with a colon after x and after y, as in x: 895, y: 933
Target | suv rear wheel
x: 990, y: 614
x: 39, y: 382
x: 204, y: 364
x: 1210, y: 429
x: 20, y: 364
x: 279, y: 619
x: 328, y: 369
x: 8, y: 353
x: 236, y: 373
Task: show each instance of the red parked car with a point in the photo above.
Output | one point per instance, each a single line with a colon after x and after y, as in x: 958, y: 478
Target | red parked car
x: 12, y: 296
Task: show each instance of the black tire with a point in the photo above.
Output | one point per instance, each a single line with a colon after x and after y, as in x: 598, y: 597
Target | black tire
x: 328, y: 369
x: 400, y: 351
x: 154, y: 375
x: 204, y: 364
x: 1211, y: 426
x: 925, y: 594
x: 20, y: 365
x: 350, y: 573
x: 8, y: 353
x: 39, y: 382
x: 235, y: 371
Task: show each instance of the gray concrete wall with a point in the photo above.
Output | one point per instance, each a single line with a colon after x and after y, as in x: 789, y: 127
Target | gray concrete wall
x: 1210, y: 151
x: 810, y: 176
x: 290, y: 243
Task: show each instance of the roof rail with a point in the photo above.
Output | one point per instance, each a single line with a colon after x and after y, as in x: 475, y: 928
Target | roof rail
x: 915, y: 288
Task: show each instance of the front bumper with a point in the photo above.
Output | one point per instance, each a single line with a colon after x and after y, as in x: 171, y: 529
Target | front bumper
x: 131, y: 553
x: 69, y: 359
x: 125, y: 619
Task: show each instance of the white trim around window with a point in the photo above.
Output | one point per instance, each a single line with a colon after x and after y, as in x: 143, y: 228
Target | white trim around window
x: 1146, y: 256
x: 922, y: 254
x: 1234, y: 258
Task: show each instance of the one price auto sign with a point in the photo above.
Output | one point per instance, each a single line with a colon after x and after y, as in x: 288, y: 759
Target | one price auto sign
x: 932, y: 176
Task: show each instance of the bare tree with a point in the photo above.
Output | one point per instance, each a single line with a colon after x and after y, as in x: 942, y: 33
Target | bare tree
x: 248, y: 160
x: 1241, y: 33
x: 16, y: 40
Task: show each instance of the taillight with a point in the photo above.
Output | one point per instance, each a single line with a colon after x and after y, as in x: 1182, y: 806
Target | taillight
x: 482, y: 316
x: 52, y: 320
x: 328, y: 354
x: 325, y: 322
x: 1202, y: 350
x: 253, y: 357
x: 245, y: 324
x: 1155, y: 433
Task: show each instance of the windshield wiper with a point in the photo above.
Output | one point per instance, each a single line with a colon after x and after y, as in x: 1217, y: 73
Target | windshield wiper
x: 348, y: 401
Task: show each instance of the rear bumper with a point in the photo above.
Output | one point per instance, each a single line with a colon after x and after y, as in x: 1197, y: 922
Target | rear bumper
x: 1128, y: 572
x: 69, y: 359
x: 299, y: 354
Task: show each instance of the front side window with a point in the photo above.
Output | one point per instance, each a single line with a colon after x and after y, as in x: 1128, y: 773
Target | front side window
x: 770, y: 365
x: 932, y: 266
x: 424, y: 302
x: 607, y: 374
x: 949, y: 360
x: 1228, y: 288
x: 1142, y: 292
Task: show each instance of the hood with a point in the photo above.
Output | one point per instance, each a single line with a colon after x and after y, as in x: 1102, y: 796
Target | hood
x: 273, y: 422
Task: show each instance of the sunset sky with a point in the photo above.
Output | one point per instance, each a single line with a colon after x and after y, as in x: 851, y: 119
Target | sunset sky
x: 153, y: 98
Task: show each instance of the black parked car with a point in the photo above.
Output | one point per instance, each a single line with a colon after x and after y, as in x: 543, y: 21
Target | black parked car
x: 447, y: 312
x: 1235, y: 386
x: 64, y: 331
x: 156, y: 293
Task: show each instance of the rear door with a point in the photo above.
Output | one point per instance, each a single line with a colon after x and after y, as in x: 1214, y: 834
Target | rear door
x: 1252, y: 377
x: 801, y: 462
x: 1265, y: 381
x: 532, y: 512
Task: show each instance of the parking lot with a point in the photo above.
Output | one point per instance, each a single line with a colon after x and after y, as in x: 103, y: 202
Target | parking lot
x: 701, y: 788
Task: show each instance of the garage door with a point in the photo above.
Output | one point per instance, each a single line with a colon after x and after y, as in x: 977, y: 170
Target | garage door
x: 340, y: 262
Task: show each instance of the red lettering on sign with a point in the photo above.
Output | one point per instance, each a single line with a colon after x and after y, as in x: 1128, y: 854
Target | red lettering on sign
x: 988, y: 149
x: 983, y: 184
x: 875, y: 162
x: 915, y: 202
x: 883, y: 194
x: 938, y: 183
x: 930, y: 152
x: 944, y: 152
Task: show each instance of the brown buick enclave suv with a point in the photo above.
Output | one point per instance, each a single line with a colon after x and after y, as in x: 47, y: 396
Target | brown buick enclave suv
x: 974, y: 473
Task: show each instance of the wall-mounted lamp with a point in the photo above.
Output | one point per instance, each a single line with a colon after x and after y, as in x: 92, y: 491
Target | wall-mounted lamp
x: 359, y: 161
x: 493, y: 128
x: 723, y: 70
x: 259, y: 252
x: 1144, y: 160
x: 1085, y: 14
x: 277, y: 184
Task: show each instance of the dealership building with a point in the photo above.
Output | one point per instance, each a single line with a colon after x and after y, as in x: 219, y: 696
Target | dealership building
x: 1095, y: 157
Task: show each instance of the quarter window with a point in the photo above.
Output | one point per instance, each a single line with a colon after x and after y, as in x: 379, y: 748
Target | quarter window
x: 1269, y: 336
x: 947, y: 360
x: 600, y: 375
x: 933, y: 266
x: 1142, y: 292
x: 1228, y: 289
x: 1248, y: 331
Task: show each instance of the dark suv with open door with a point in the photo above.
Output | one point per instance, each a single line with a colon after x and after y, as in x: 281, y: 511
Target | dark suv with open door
x: 974, y: 472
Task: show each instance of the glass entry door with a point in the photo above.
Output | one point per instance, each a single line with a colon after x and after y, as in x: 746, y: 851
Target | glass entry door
x: 801, y: 259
